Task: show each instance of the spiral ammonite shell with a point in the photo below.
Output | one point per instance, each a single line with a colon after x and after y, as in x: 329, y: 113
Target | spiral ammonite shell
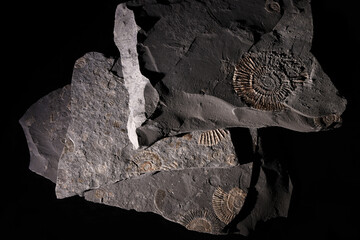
x: 200, y: 221
x: 272, y: 6
x: 145, y: 161
x: 264, y: 80
x: 227, y: 204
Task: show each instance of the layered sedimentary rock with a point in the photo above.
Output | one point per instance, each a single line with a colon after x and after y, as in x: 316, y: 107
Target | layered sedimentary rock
x: 153, y: 130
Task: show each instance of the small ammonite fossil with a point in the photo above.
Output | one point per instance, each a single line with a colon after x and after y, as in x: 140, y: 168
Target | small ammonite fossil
x: 146, y: 161
x: 212, y: 137
x: 80, y: 63
x: 200, y: 221
x: 170, y: 166
x: 227, y: 205
x: 272, y: 6
x: 264, y: 80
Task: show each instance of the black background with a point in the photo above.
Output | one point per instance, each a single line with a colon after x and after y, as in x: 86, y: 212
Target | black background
x: 45, y: 39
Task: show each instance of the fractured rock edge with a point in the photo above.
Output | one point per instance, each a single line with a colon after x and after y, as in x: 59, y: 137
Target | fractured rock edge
x: 197, y: 179
x: 88, y: 146
x: 99, y: 114
x: 45, y: 124
x: 189, y: 188
x: 137, y: 117
x: 318, y: 98
x: 125, y: 38
x: 176, y: 195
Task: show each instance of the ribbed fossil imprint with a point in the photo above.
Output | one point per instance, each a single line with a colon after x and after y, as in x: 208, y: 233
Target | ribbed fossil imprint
x: 200, y: 220
x: 227, y: 204
x: 327, y: 121
x: 146, y: 161
x: 212, y: 137
x: 264, y: 80
x: 272, y: 6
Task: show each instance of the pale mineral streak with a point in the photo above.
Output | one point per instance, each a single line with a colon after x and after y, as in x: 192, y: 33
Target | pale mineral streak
x: 125, y: 38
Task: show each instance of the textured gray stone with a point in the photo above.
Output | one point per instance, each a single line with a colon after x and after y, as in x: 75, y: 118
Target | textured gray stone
x: 183, y: 196
x: 45, y: 124
x: 98, y: 149
x: 188, y: 71
x: 99, y: 114
x: 176, y: 195
x: 197, y: 46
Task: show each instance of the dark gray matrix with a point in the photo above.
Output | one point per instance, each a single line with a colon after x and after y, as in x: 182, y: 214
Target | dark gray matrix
x: 154, y: 129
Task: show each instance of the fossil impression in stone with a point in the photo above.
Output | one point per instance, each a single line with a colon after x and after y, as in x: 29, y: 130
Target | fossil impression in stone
x: 328, y: 121
x: 227, y: 205
x: 105, y: 143
x: 272, y: 6
x: 159, y: 199
x: 200, y: 221
x: 212, y: 137
x: 92, y: 142
x: 146, y: 161
x: 265, y: 79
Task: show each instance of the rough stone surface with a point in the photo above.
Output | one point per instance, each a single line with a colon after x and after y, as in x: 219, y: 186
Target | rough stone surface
x: 99, y: 114
x: 175, y: 194
x: 189, y: 74
x: 125, y: 38
x: 45, y: 124
x: 97, y: 148
x: 197, y: 60
x: 184, y: 195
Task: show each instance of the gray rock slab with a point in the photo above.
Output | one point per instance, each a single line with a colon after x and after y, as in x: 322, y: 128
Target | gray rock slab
x: 203, y: 200
x: 97, y: 148
x: 209, y: 54
x: 269, y: 199
x: 179, y: 196
x: 45, y: 124
x: 293, y: 34
x: 202, y: 49
x: 183, y: 196
x: 98, y: 126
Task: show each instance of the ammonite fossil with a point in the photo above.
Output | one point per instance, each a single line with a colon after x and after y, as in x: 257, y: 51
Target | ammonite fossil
x: 200, y: 220
x: 227, y: 204
x: 264, y: 80
x: 272, y: 6
x: 146, y: 161
x: 212, y: 137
